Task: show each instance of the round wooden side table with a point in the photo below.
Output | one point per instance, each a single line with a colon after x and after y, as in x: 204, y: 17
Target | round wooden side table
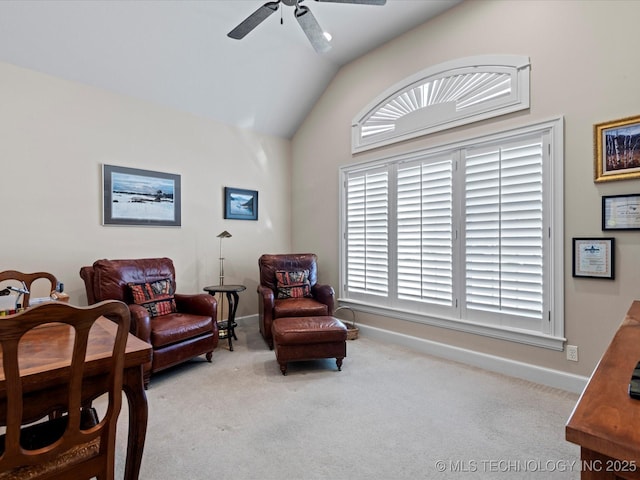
x: 226, y: 328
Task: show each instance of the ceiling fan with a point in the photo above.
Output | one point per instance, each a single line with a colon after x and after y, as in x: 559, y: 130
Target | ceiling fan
x: 303, y: 15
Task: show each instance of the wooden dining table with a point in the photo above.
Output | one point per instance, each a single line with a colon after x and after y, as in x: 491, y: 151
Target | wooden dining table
x: 45, y: 355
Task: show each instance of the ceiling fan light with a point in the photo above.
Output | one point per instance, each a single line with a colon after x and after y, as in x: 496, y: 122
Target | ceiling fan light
x: 327, y: 35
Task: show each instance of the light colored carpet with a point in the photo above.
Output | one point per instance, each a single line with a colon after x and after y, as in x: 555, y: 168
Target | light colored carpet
x: 391, y: 413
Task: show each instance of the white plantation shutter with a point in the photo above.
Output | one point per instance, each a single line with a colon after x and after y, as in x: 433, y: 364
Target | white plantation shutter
x: 367, y: 211
x: 425, y: 231
x: 466, y: 236
x: 503, y: 229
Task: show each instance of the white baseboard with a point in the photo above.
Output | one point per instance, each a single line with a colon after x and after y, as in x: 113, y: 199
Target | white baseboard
x: 526, y: 371
x: 533, y: 373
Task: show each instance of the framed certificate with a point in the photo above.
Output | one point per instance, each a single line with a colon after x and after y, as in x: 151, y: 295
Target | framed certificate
x: 621, y: 212
x: 594, y: 257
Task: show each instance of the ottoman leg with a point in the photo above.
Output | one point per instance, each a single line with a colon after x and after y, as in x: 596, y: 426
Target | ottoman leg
x: 339, y: 364
x: 283, y: 367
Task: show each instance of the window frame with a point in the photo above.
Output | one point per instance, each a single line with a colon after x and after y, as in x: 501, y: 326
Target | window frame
x: 552, y: 335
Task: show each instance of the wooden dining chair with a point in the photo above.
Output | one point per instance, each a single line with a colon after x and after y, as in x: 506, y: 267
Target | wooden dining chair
x: 28, y: 280
x: 69, y: 446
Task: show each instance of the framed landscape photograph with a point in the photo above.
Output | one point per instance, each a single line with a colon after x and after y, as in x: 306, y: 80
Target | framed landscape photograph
x: 594, y: 257
x: 617, y: 149
x: 240, y: 204
x: 140, y: 197
x: 621, y: 212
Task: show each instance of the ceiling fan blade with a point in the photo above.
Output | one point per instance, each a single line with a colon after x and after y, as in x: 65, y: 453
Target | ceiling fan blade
x: 359, y: 2
x: 312, y: 29
x: 253, y: 20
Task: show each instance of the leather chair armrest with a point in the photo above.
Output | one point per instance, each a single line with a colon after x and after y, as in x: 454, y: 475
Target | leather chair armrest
x: 197, y: 304
x: 140, y: 322
x: 265, y: 311
x: 266, y: 301
x: 324, y: 294
x: 86, y: 273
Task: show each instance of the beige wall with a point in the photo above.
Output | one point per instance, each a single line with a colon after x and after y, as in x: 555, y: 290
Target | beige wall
x: 54, y: 136
x: 583, y: 58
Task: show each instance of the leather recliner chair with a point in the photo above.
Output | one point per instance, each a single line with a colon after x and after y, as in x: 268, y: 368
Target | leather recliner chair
x: 275, y: 299
x: 178, y: 330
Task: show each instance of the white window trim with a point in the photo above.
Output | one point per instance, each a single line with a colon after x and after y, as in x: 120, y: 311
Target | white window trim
x: 553, y: 340
x: 517, y: 67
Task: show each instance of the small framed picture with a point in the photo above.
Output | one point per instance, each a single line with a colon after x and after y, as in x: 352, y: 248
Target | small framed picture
x: 617, y: 156
x: 594, y: 257
x: 240, y: 204
x: 621, y: 212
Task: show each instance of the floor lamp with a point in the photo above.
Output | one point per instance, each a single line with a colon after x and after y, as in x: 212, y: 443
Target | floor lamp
x: 222, y: 235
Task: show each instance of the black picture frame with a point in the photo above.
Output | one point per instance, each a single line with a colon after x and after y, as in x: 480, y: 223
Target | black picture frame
x: 132, y: 196
x: 621, y: 212
x: 594, y: 257
x: 240, y: 204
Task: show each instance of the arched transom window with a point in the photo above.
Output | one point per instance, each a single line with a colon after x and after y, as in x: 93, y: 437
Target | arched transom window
x: 445, y: 96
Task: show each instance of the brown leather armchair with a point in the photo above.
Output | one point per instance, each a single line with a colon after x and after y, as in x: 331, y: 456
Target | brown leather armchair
x: 177, y: 331
x: 309, y: 299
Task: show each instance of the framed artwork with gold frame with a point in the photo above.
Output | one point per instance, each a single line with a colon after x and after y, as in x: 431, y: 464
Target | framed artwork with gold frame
x: 617, y: 149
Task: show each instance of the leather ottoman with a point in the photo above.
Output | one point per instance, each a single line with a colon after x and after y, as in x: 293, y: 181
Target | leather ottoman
x: 308, y: 338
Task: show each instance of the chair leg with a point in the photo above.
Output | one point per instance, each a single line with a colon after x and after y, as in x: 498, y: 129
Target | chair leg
x: 283, y: 368
x: 209, y: 356
x: 339, y: 364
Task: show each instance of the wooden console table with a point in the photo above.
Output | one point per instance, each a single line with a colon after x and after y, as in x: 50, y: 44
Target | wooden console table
x: 606, y: 421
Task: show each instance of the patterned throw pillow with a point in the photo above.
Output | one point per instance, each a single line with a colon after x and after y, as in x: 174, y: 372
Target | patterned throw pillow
x: 293, y: 284
x: 156, y: 297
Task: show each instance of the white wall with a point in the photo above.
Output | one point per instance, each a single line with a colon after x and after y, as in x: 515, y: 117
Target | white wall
x: 583, y: 57
x: 54, y: 137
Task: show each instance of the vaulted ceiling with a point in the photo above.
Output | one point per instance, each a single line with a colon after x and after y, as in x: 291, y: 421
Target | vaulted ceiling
x: 177, y: 53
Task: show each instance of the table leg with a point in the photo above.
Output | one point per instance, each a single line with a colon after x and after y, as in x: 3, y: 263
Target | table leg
x: 232, y: 300
x: 133, y: 387
x: 595, y: 466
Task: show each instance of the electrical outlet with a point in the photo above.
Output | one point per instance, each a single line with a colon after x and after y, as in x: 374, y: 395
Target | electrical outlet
x: 572, y: 353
